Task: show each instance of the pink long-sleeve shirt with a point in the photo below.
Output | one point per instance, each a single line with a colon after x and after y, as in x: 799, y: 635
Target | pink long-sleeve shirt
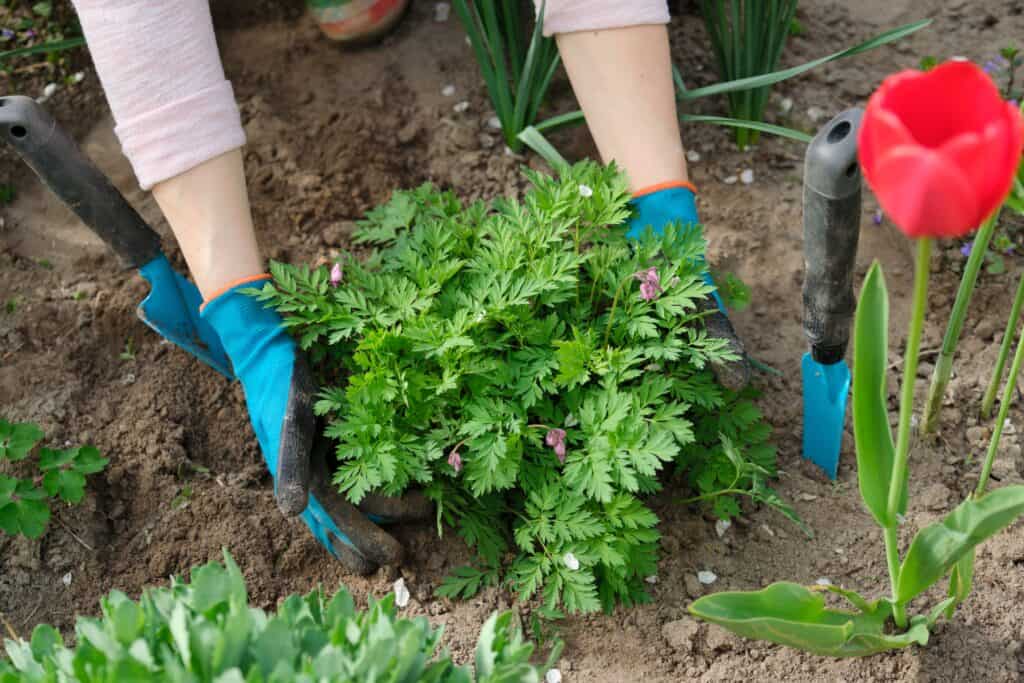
x: 173, y: 107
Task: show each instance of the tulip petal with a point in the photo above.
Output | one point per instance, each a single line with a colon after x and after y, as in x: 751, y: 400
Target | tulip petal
x: 983, y: 160
x: 924, y: 193
x: 879, y: 132
x: 937, y: 105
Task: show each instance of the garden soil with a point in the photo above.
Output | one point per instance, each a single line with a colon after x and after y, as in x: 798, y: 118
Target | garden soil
x: 332, y: 133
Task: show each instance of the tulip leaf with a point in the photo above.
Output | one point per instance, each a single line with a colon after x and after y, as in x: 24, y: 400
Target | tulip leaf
x: 961, y: 580
x: 875, y: 450
x: 938, y: 547
x: 795, y: 615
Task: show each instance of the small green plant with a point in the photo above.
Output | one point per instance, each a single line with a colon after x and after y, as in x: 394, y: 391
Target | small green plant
x: 129, y: 350
x: 206, y: 630
x: 516, y: 65
x: 11, y: 306
x: 747, y: 37
x: 533, y: 372
x: 7, y: 194
x: 25, y: 503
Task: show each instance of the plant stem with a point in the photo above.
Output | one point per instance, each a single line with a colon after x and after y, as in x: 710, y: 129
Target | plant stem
x: 898, y: 482
x: 1004, y: 408
x: 892, y: 559
x: 1004, y: 352
x: 944, y: 363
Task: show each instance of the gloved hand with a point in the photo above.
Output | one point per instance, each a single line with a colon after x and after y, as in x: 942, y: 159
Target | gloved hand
x: 660, y: 205
x: 279, y: 394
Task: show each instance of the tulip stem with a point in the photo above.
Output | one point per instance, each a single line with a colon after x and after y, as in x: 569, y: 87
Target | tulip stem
x: 944, y: 363
x: 1004, y: 408
x: 1004, y: 352
x: 898, y: 482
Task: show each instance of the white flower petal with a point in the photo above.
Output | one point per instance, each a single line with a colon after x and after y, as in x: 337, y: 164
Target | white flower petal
x: 401, y: 593
x: 570, y: 561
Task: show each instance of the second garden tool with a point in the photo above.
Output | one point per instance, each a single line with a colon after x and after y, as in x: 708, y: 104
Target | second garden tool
x: 832, y: 203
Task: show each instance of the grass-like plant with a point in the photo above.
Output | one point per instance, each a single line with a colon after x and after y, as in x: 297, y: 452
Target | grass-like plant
x: 747, y: 37
x: 516, y: 65
x: 205, y: 630
x: 534, y: 373
x: 60, y: 475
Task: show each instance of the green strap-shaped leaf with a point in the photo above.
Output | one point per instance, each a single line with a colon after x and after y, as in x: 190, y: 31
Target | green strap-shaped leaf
x: 794, y: 615
x: 875, y: 449
x: 937, y: 547
x: 961, y: 580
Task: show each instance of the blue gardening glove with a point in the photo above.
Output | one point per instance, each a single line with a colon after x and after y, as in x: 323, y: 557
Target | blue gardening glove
x: 676, y: 202
x: 279, y: 394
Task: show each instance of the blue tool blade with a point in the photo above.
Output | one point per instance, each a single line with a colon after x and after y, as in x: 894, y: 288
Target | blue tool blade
x: 825, y: 390
x: 172, y: 309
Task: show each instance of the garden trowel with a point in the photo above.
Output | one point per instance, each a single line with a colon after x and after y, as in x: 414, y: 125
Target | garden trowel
x: 172, y: 307
x: 832, y: 199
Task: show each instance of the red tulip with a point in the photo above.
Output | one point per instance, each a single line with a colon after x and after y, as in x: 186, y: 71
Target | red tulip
x: 940, y: 148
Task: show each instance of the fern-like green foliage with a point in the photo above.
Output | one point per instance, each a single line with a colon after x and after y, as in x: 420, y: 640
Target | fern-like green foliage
x: 479, y: 329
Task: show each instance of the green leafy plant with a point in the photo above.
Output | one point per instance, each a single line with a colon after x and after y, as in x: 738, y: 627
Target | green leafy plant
x: 25, y: 503
x: 517, y: 65
x: 206, y: 630
x: 747, y: 37
x: 534, y: 136
x: 507, y: 360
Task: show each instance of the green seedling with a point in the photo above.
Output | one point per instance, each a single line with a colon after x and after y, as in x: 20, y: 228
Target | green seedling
x: 129, y: 350
x: 7, y: 194
x: 533, y: 372
x: 206, y: 630
x: 11, y: 306
x: 25, y: 503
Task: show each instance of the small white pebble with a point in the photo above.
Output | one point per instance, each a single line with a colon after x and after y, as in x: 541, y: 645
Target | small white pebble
x: 840, y: 551
x: 786, y: 105
x: 461, y: 107
x: 730, y: 180
x: 959, y: 58
x: 747, y: 176
x: 553, y: 676
x: 448, y: 90
x: 570, y: 561
x: 441, y: 11
x: 66, y: 579
x: 468, y: 41
x: 401, y: 593
x: 494, y: 123
x: 707, y: 577
x: 509, y: 152
x: 652, y: 579
x: 48, y: 92
x: 693, y: 156
x: 585, y: 191
x: 767, y: 529
x: 721, y: 526
x: 816, y: 114
x: 78, y: 77
x: 900, y: 519
x: 823, y: 582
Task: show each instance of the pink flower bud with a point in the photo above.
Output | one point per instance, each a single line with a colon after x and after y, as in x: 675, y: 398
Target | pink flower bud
x: 455, y: 460
x: 336, y: 275
x: 554, y: 437
x: 560, y: 451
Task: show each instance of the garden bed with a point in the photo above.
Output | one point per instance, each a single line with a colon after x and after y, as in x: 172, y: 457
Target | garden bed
x: 331, y: 134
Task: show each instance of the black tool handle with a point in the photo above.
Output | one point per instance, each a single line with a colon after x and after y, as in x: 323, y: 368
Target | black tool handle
x: 832, y: 201
x: 55, y: 158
